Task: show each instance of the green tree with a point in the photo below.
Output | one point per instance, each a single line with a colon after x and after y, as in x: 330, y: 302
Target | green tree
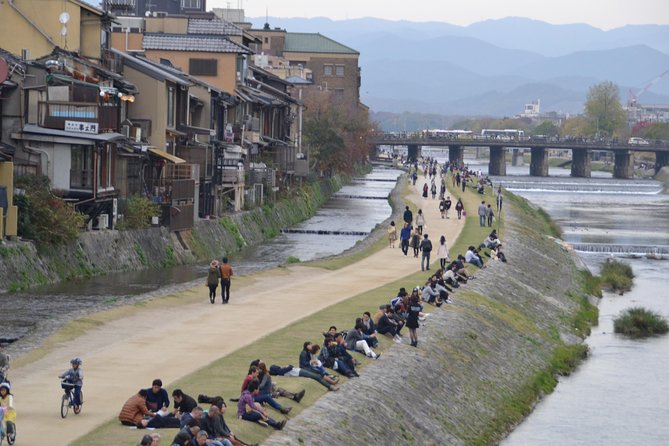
x: 604, y: 111
x: 657, y: 130
x: 137, y: 212
x: 43, y: 216
x: 546, y: 128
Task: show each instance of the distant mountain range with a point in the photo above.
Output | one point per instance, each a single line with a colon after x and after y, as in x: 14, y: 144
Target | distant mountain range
x: 494, y: 67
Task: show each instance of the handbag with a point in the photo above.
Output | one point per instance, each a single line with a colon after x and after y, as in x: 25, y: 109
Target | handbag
x: 464, y: 213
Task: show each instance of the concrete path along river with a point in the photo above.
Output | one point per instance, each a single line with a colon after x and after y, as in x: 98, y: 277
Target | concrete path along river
x: 124, y: 355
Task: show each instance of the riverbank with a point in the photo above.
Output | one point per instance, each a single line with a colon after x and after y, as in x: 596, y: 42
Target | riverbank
x: 121, y: 358
x: 96, y: 253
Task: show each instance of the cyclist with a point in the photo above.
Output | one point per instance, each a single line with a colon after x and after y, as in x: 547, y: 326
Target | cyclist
x: 74, y: 377
x: 7, y: 405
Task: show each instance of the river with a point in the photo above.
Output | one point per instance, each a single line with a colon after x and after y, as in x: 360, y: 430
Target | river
x: 619, y: 395
x: 349, y: 215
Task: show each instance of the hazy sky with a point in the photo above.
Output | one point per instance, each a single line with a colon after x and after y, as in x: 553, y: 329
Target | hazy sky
x: 604, y: 14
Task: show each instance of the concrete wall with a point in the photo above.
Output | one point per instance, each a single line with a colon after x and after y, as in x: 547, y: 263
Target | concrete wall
x: 17, y: 32
x: 226, y: 77
x: 150, y: 103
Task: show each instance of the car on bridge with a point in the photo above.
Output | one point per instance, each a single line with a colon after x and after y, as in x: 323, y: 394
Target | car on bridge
x: 636, y: 141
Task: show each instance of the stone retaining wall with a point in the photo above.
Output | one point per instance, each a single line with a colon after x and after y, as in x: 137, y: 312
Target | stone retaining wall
x: 101, y: 252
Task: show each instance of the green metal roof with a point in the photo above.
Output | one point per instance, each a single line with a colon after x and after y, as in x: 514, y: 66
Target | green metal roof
x: 314, y: 43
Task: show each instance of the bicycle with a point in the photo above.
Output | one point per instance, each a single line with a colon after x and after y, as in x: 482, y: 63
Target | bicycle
x: 68, y: 399
x: 4, y: 431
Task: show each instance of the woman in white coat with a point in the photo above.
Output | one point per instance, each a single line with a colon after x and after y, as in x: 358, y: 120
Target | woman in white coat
x: 442, y: 252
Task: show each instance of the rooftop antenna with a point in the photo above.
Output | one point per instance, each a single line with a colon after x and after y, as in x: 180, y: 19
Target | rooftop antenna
x: 266, y: 19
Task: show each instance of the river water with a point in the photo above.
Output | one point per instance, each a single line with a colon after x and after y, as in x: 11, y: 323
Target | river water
x: 343, y: 221
x: 619, y: 395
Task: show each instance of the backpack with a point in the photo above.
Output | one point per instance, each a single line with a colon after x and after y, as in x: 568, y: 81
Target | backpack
x: 427, y: 246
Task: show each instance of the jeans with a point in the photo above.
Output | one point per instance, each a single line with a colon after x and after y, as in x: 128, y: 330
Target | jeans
x: 482, y: 220
x: 225, y: 289
x: 266, y: 398
x: 255, y: 416
x: 305, y: 373
x: 212, y: 292
x: 425, y: 261
x: 405, y: 246
x: 477, y: 262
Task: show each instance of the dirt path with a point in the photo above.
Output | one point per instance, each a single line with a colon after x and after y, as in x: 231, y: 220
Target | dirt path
x: 125, y: 355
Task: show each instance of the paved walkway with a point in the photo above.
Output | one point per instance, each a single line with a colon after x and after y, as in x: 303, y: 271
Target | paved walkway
x: 124, y: 355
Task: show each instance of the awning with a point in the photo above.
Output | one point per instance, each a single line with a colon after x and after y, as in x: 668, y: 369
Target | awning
x: 273, y: 141
x: 168, y: 156
x: 235, y: 149
x: 54, y: 134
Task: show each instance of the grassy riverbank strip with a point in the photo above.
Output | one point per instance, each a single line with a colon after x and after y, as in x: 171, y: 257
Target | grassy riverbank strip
x: 223, y: 376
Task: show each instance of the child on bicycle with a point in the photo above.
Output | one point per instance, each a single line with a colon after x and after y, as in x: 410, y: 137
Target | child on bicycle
x: 74, y: 377
x: 7, y: 406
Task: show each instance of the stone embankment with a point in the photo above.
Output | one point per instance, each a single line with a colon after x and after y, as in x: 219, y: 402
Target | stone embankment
x: 101, y: 252
x: 481, y: 362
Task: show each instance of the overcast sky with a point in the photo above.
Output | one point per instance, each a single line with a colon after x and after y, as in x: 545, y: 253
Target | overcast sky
x: 604, y: 14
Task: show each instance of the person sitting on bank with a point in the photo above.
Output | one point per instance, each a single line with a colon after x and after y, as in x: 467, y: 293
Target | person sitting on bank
x: 214, y: 423
x: 290, y: 371
x: 276, y: 391
x: 248, y: 409
x: 309, y: 360
x: 497, y: 254
x: 460, y: 267
x: 334, y: 355
x: 134, y: 410
x: 182, y: 403
x: 471, y: 257
x: 157, y: 398
x: 388, y: 325
x: 195, y: 414
x: 264, y: 393
x: 355, y: 341
x: 369, y: 329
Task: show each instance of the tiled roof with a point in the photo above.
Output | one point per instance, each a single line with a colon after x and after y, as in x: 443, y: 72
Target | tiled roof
x: 314, y: 43
x: 214, y: 26
x: 184, y: 42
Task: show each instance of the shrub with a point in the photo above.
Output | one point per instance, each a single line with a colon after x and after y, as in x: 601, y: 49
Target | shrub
x: 617, y: 275
x: 44, y: 216
x: 292, y: 259
x: 639, y: 322
x: 137, y: 212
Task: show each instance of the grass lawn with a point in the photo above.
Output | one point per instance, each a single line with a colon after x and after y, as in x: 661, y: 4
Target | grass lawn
x: 224, y: 376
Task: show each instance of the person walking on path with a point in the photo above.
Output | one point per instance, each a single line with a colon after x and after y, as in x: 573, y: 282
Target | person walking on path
x: 447, y: 206
x: 212, y: 280
x: 433, y: 190
x: 408, y: 215
x: 226, y: 278
x: 392, y: 234
x: 482, y: 213
x: 442, y: 253
x: 459, y: 208
x: 499, y: 200
x: 420, y: 221
x: 442, y: 207
x: 415, y: 242
x: 405, y: 235
x: 412, y: 319
x: 490, y: 215
x: 464, y: 182
x: 426, y: 248
x: 425, y: 190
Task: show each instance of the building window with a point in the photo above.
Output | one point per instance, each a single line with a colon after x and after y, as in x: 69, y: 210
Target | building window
x: 81, y: 167
x: 203, y: 67
x: 339, y: 70
x: 266, y: 39
x: 170, y: 106
x: 191, y: 4
x: 327, y: 70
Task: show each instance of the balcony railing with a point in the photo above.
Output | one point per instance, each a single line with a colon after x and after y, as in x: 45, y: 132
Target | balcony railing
x: 53, y: 114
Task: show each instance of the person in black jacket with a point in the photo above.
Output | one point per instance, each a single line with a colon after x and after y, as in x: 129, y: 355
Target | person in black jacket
x: 408, y: 215
x: 182, y: 403
x: 426, y: 248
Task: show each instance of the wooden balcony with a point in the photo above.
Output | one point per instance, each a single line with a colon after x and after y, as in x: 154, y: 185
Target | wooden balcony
x: 53, y: 114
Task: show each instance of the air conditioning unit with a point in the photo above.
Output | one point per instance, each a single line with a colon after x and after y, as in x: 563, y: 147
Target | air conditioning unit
x: 103, y: 221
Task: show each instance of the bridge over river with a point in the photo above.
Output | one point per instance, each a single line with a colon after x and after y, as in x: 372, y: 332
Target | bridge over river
x: 581, y: 149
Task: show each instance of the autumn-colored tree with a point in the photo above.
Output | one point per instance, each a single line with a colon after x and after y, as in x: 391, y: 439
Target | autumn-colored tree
x: 335, y: 135
x: 577, y: 126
